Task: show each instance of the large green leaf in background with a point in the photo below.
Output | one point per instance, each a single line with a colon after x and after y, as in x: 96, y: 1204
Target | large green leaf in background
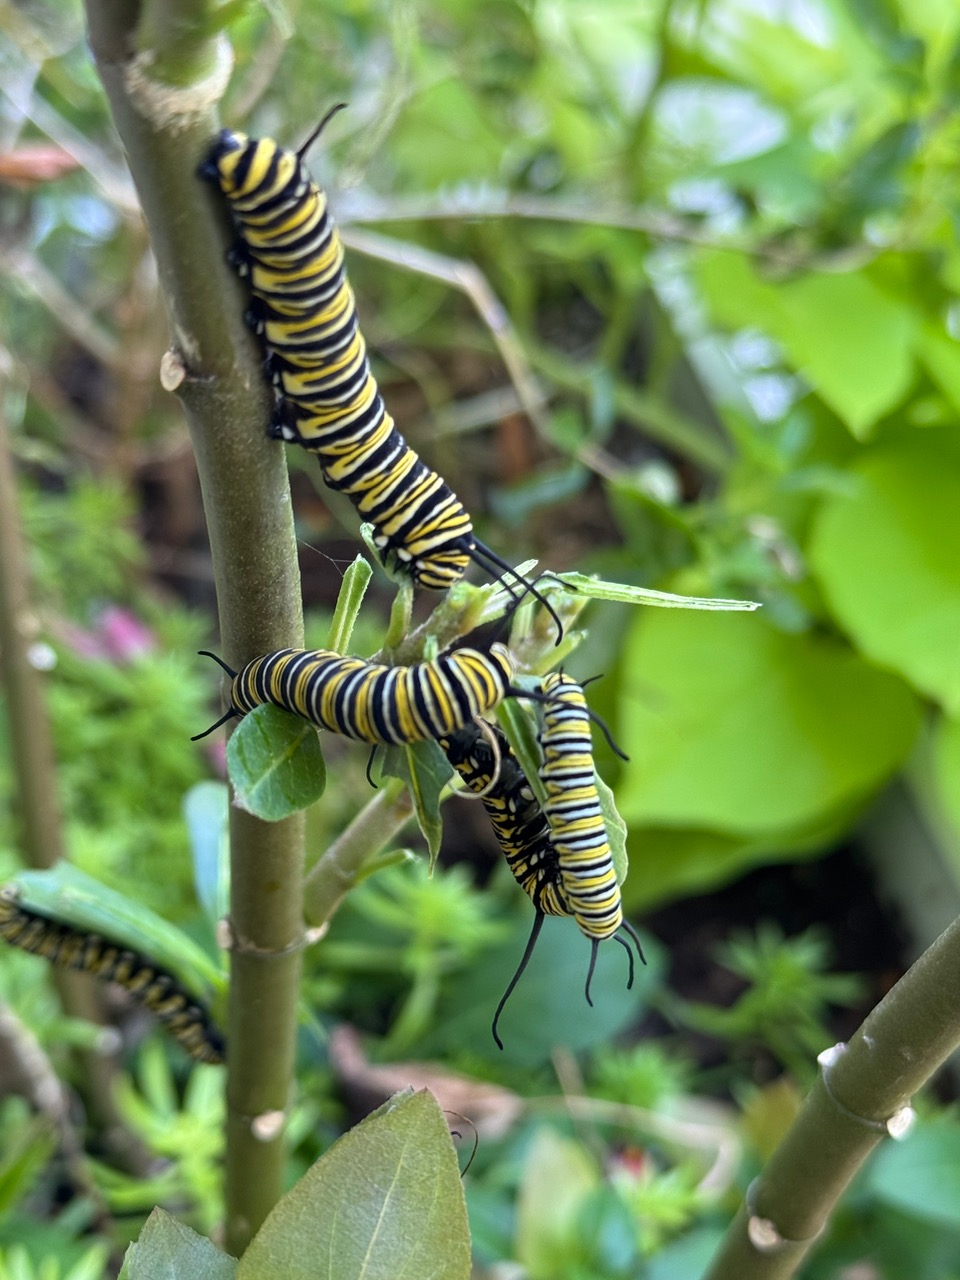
x: 887, y: 555
x: 735, y: 727
x: 851, y: 340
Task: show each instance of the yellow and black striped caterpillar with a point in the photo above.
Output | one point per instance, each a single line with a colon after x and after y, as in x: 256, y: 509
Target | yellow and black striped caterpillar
x: 485, y: 761
x: 291, y: 254
x: 180, y: 1012
x: 573, y: 813
x: 371, y: 702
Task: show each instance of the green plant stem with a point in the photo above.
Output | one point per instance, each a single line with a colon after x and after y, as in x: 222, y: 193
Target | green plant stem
x: 166, y: 132
x: 340, y: 867
x: 896, y: 1050
x: 34, y: 767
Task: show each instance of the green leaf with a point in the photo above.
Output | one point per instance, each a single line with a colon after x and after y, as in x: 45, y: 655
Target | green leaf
x: 69, y: 895
x: 673, y: 863
x: 275, y: 762
x: 424, y: 769
x: 686, y: 1257
x: 352, y: 590
x: 920, y: 1175
x: 734, y: 726
x: 616, y: 828
x: 849, y: 339
x: 558, y: 1177
x: 940, y: 355
x: 168, y: 1250
x: 888, y: 557
x: 385, y: 1202
x: 206, y: 808
x: 626, y: 593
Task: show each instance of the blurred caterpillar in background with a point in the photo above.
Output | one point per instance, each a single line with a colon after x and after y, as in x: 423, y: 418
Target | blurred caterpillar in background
x: 180, y: 1012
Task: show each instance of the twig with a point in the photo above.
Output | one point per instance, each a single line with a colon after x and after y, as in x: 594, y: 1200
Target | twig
x: 467, y: 277
x: 860, y: 1097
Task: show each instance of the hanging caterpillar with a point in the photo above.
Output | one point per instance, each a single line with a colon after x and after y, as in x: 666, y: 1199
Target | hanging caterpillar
x: 575, y: 818
x: 485, y: 761
x: 368, y: 701
x: 291, y: 254
x: 180, y: 1012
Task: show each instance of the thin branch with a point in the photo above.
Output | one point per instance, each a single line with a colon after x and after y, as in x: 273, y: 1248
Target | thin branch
x: 857, y: 1101
x: 338, y: 870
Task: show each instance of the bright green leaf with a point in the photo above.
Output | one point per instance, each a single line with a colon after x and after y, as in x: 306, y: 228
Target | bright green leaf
x: 385, y: 1203
x: 888, y: 557
x: 352, y: 590
x: 845, y: 335
x: 941, y: 355
x: 596, y: 589
x: 168, y: 1250
x: 734, y: 726
x: 275, y: 762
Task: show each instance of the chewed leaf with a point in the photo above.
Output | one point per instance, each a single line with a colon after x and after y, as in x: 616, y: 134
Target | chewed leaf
x: 424, y: 768
x: 352, y: 590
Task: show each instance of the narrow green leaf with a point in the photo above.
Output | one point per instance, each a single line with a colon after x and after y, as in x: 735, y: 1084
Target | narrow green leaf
x: 424, y: 769
x: 597, y: 589
x: 352, y: 590
x: 69, y: 895
x: 206, y: 808
x: 616, y: 828
x: 385, y: 1203
x: 169, y: 1250
x: 275, y: 762
x: 520, y: 727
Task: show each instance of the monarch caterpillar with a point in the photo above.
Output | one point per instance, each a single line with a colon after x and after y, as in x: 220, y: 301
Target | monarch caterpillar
x: 303, y: 308
x: 573, y: 813
x: 184, y: 1017
x: 369, y: 701
x: 485, y: 761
